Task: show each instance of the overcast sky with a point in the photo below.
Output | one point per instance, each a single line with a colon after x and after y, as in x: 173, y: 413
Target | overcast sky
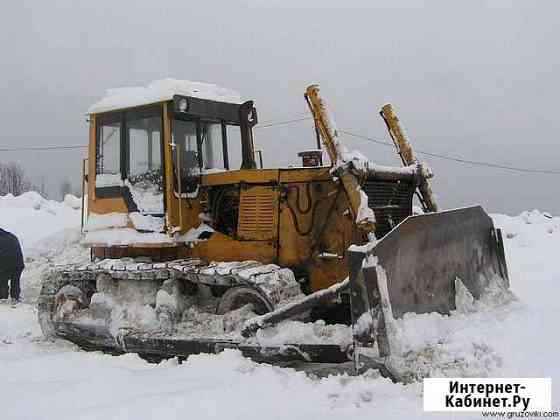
x: 475, y: 79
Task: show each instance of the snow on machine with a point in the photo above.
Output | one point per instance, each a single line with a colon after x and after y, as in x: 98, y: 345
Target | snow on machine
x: 194, y: 249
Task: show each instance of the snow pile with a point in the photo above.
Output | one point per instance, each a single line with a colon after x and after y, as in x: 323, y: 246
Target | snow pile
x: 29, y: 200
x: 162, y: 90
x: 199, y: 323
x: 32, y: 217
x: 146, y: 222
x: 289, y: 332
x: 204, y: 324
x: 72, y: 201
x: 458, y: 345
x: 528, y: 228
x: 123, y: 314
x: 147, y: 197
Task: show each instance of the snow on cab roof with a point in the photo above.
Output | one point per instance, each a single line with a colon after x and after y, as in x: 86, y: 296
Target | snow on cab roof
x: 162, y: 90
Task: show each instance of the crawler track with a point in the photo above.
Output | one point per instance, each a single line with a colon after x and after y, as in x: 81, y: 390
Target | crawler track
x: 277, y: 285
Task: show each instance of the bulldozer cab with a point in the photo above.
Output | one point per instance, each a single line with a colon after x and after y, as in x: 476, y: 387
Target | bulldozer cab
x: 151, y: 159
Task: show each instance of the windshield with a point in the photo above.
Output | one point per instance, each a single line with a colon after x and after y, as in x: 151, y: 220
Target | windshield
x: 201, y: 147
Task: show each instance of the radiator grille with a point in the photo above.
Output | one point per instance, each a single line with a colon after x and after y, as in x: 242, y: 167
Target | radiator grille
x: 258, y: 214
x: 391, y: 201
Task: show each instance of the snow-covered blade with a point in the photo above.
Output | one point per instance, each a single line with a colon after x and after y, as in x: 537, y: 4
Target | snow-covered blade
x: 436, y: 248
x: 415, y: 268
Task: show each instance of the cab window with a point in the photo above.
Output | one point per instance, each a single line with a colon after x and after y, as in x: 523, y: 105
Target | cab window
x: 129, y: 154
x: 212, y: 147
x: 143, y: 159
x: 108, y: 148
x: 144, y: 142
x: 186, y: 161
x: 233, y: 134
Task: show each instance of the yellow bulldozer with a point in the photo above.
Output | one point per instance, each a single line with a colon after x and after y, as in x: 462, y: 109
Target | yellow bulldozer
x: 194, y: 248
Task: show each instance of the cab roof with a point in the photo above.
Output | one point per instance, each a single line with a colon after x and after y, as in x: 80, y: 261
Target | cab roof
x: 162, y: 90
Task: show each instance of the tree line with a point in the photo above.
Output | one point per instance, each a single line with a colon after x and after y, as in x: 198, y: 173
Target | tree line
x: 14, y: 180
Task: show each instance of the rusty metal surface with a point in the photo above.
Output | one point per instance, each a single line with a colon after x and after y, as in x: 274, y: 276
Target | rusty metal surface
x: 424, y: 254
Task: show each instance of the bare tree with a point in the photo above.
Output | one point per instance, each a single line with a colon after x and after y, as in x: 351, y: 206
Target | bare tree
x: 13, y: 179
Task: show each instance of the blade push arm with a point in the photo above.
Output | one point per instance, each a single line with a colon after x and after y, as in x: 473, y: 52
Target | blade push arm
x: 406, y: 152
x: 356, y: 197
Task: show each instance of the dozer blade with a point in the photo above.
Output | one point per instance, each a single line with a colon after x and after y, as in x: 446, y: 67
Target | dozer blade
x: 414, y: 267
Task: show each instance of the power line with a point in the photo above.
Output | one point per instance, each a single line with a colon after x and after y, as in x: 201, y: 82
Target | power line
x: 377, y: 141
x: 23, y: 149
x: 458, y: 159
x: 286, y: 122
x: 427, y: 153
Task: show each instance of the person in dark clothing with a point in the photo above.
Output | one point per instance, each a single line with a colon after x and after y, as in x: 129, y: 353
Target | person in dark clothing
x: 11, y: 265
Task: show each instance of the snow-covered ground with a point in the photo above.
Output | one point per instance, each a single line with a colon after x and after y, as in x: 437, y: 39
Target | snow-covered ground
x: 44, y: 380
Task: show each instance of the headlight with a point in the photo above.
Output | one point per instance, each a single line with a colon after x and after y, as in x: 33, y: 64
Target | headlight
x: 183, y: 105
